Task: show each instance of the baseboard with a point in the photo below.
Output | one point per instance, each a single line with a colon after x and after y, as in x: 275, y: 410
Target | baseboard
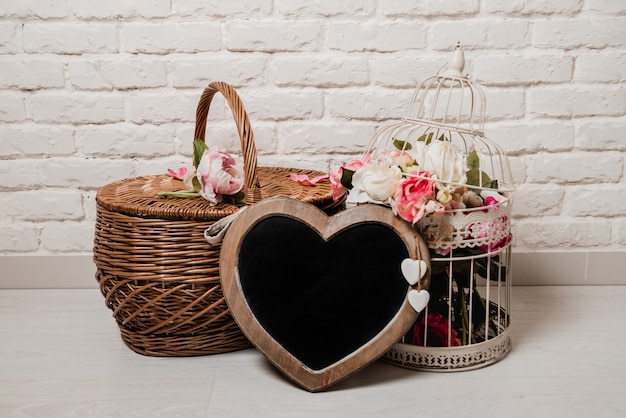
x: 528, y: 269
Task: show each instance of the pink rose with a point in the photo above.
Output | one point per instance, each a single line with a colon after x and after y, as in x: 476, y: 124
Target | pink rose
x: 414, y: 198
x: 335, y: 176
x: 219, y: 174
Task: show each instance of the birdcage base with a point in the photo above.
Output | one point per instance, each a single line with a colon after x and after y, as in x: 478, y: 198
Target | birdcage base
x: 450, y: 359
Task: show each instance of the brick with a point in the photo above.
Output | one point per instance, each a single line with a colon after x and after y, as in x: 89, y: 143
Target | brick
x: 403, y: 8
x: 41, y: 205
x: 609, y: 7
x: 319, y: 70
x: 284, y: 104
x: 89, y: 204
x: 19, y: 173
x: 531, y: 7
x: 599, y: 32
x: 326, y: 8
x: 531, y: 137
x: 404, y: 71
x: 518, y: 169
x: 116, y: 9
x: 505, y: 103
x: 8, y: 37
x: 171, y: 37
x: 601, y: 66
x: 620, y: 231
x: 515, y: 69
x: 84, y: 172
x: 596, y: 134
x: 222, y: 8
x: 12, y: 107
x: 126, y: 140
x: 28, y: 73
x: 272, y: 35
x: 35, y: 9
x: 576, y: 100
x: 234, y: 69
x: 32, y: 140
x: 597, y: 201
x: 368, y: 104
x: 76, y: 108
x: 224, y: 134
x: 560, y: 232
x: 577, y: 167
x: 386, y: 36
x: 324, y: 137
x: 479, y: 33
x: 70, y: 38
x: 533, y: 200
x: 19, y: 237
x: 67, y: 236
x: 164, y: 107
x: 126, y: 73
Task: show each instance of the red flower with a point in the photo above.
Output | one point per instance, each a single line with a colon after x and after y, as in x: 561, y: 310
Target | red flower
x: 437, y: 331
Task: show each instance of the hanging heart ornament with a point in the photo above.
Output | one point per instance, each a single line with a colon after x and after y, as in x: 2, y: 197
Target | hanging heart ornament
x: 322, y: 296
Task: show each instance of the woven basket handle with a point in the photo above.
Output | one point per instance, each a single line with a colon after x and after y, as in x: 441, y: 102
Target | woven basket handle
x: 248, y: 148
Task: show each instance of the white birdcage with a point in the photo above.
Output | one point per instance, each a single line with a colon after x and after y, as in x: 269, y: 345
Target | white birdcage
x: 441, y: 138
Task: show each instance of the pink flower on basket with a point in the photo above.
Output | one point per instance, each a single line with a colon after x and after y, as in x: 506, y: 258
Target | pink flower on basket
x: 305, y: 180
x: 184, y: 174
x: 219, y: 174
x: 414, y: 198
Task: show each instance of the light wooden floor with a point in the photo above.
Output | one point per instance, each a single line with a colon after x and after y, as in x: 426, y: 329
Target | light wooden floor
x: 61, y: 356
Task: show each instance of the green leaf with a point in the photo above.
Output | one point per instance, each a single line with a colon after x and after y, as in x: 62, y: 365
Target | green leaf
x: 478, y: 178
x: 346, y: 178
x: 237, y: 199
x: 196, y: 184
x: 426, y: 138
x: 494, y: 184
x: 198, y: 149
x: 473, y: 161
x: 402, y: 145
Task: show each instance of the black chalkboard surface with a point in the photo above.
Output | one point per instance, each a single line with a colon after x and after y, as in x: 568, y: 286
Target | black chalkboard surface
x: 321, y: 297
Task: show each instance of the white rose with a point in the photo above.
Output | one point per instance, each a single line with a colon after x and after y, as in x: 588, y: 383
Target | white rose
x: 374, y: 183
x: 444, y: 162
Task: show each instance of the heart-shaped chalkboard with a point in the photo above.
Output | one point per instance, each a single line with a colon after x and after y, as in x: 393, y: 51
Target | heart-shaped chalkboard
x: 320, y: 296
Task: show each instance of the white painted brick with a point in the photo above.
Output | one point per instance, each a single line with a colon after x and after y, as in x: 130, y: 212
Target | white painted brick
x: 403, y: 8
x: 600, y: 134
x: 576, y: 100
x: 35, y: 9
x: 126, y: 140
x: 558, y: 232
x: 118, y: 9
x: 84, y: 172
x: 89, y: 204
x: 159, y: 166
x: 31, y: 140
x: 479, y: 33
x: 326, y: 7
x: 383, y: 36
x: 319, y: 70
x: 18, y: 237
x: 224, y: 134
x: 369, y: 104
x: 234, y: 69
x: 576, y: 167
x: 579, y: 32
x: 504, y: 103
x: 620, y: 231
x: 324, y: 137
x: 41, y: 205
x: 518, y: 169
x: 601, y: 66
x: 28, y: 73
x: 529, y: 137
x: 391, y: 70
x: 67, y: 236
x: 163, y: 107
x: 77, y: 107
x: 598, y: 201
x: 221, y: 8
x: 284, y: 104
x: 530, y: 7
x: 610, y: 7
x: 171, y: 37
x: 119, y: 73
x: 272, y: 35
x: 19, y: 173
x: 533, y: 200
x: 70, y: 37
x: 8, y: 37
x: 12, y: 107
x: 515, y: 68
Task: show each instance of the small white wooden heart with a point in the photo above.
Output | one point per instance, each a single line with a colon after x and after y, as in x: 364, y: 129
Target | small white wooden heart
x: 418, y: 299
x: 413, y: 270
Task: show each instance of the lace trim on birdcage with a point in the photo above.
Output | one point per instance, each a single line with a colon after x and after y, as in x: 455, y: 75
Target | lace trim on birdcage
x: 487, y: 226
x: 449, y: 359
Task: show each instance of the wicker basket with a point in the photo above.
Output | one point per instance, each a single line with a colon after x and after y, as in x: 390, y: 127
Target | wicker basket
x: 155, y: 269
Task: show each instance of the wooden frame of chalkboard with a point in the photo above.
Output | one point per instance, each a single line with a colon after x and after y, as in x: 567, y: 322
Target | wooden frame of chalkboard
x: 320, y: 296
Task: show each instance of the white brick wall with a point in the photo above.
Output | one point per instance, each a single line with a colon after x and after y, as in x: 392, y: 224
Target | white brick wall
x: 93, y: 91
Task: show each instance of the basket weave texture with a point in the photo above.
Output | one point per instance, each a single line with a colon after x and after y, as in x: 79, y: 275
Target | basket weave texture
x: 155, y: 269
